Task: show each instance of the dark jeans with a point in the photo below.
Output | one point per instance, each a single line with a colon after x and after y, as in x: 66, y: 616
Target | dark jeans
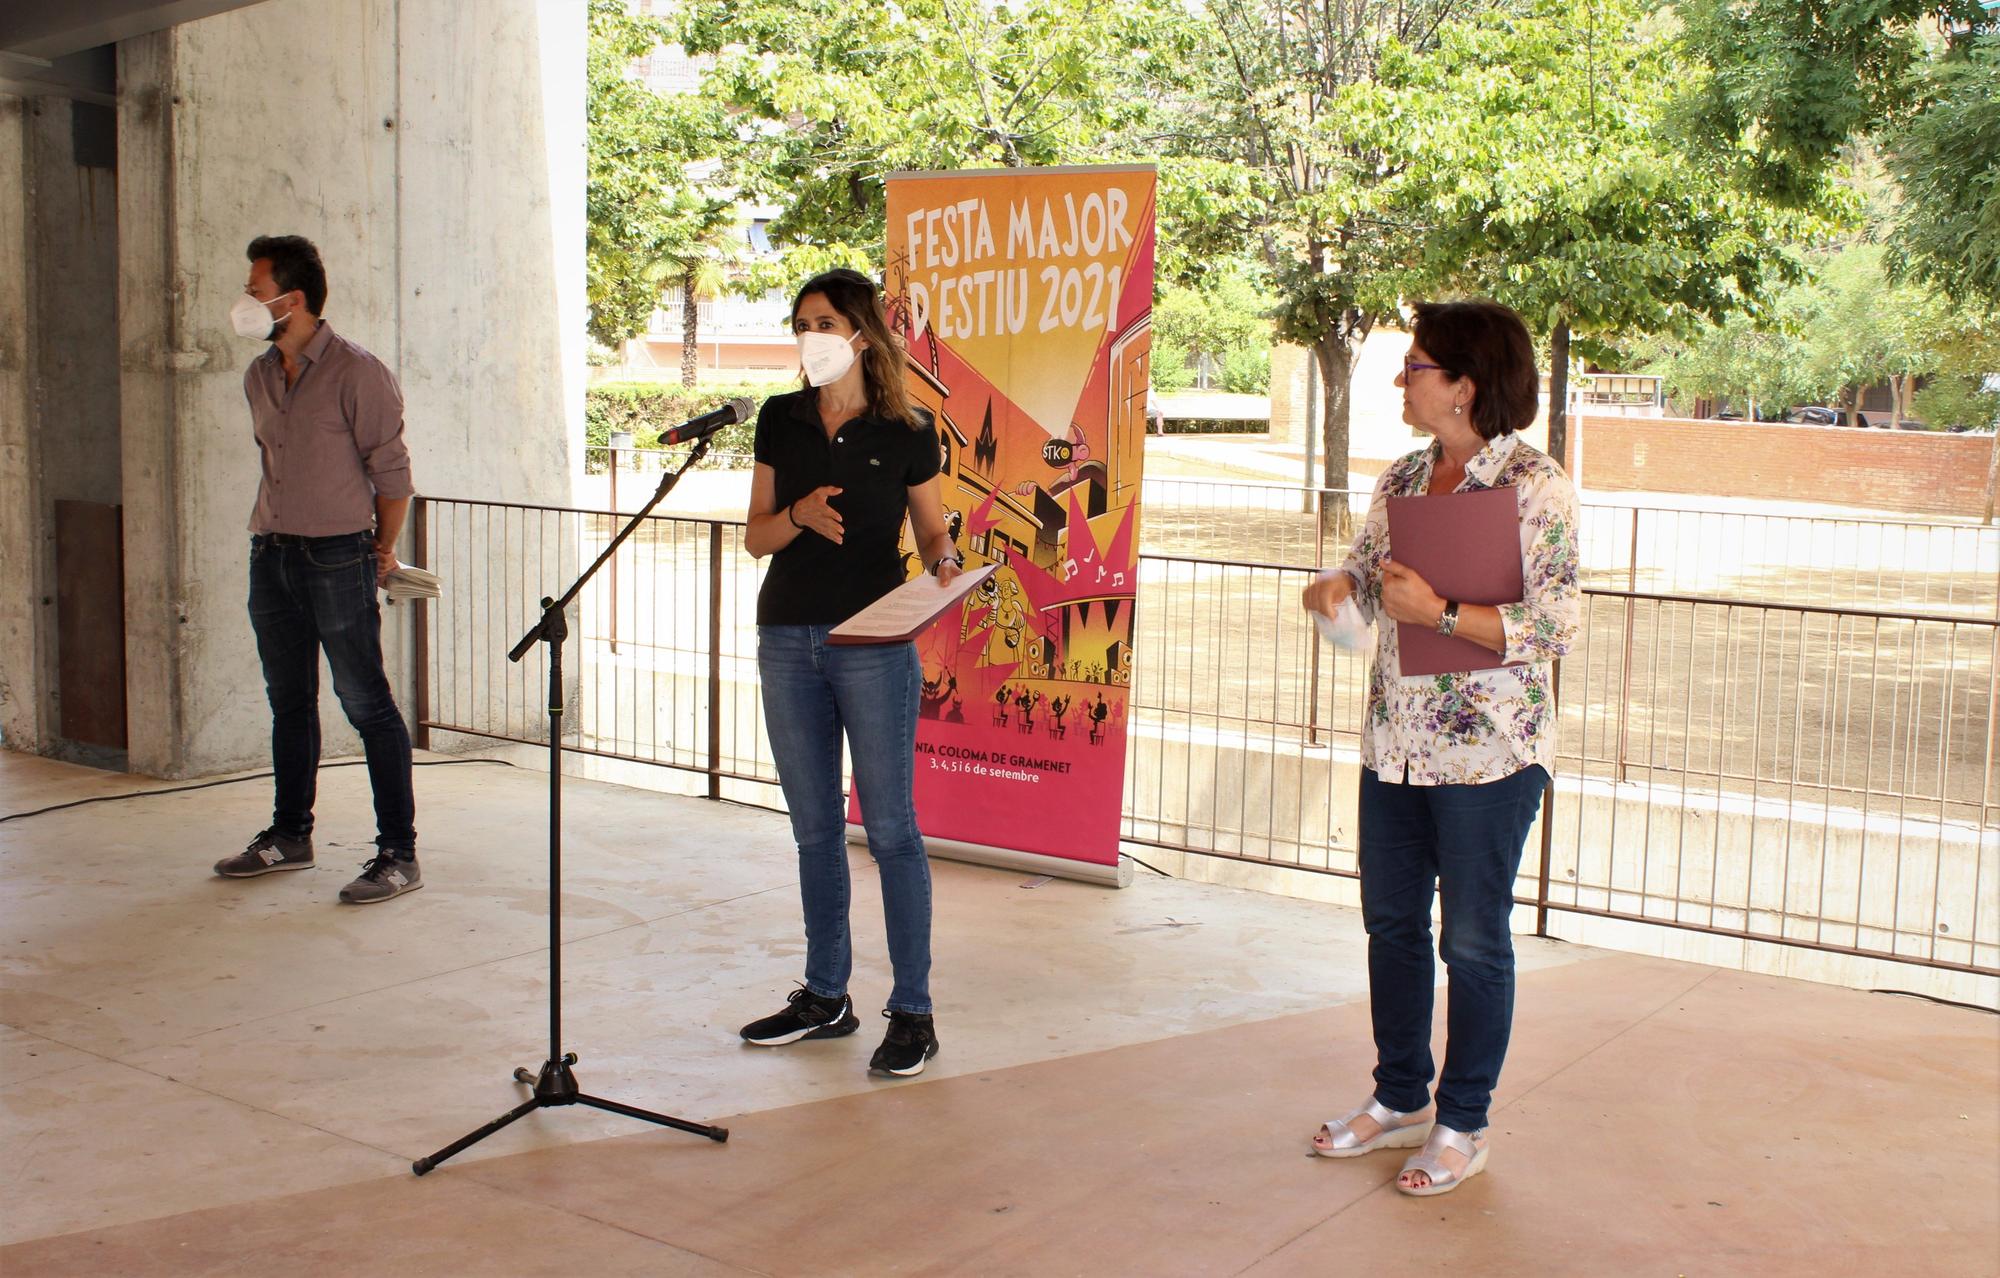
x: 814, y: 693
x: 308, y: 594
x: 1466, y: 841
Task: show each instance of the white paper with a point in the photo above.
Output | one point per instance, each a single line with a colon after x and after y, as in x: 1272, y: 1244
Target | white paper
x: 410, y: 582
x: 910, y: 606
x: 1346, y: 628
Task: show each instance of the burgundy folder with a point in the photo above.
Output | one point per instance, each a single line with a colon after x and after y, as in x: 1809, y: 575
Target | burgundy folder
x: 1468, y: 547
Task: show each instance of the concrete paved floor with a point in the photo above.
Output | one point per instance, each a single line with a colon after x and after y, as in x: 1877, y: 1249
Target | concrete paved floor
x: 218, y: 1077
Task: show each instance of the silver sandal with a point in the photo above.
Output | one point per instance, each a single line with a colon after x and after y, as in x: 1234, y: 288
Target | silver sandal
x: 1474, y: 1145
x: 1399, y: 1131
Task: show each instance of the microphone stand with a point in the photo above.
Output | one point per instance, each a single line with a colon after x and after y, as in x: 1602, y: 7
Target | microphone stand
x: 556, y: 1084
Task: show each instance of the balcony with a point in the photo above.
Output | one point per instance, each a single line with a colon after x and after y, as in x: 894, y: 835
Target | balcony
x: 232, y: 1077
x: 726, y: 319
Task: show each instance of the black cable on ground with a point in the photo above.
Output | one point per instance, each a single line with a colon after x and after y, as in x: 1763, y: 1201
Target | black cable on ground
x: 248, y: 776
x: 1947, y: 1002
x: 1154, y: 868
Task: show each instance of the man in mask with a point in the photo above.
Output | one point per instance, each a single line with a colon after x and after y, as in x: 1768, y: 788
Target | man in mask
x: 328, y: 420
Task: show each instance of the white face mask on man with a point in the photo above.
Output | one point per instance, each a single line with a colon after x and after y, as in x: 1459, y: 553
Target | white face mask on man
x: 826, y: 357
x: 253, y: 319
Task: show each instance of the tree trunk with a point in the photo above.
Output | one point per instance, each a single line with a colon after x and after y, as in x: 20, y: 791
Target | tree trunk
x: 1896, y: 401
x: 1559, y: 397
x: 690, y: 330
x: 1850, y: 404
x: 1336, y: 373
x: 1310, y: 434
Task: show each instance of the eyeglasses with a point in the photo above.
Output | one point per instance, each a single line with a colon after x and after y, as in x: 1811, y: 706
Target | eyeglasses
x: 1413, y: 365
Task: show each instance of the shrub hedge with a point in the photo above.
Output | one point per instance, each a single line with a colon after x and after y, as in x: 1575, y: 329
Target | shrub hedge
x: 645, y: 409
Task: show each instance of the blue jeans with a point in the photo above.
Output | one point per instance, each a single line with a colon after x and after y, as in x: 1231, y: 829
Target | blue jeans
x: 813, y: 692
x: 309, y: 594
x: 1465, y: 840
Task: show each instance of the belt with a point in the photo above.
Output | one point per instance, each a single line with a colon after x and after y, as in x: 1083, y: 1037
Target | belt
x: 294, y: 539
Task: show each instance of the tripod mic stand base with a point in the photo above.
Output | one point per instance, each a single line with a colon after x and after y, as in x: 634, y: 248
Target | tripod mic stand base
x: 556, y: 1085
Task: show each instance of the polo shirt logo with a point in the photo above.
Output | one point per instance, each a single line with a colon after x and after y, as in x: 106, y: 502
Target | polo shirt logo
x: 874, y: 461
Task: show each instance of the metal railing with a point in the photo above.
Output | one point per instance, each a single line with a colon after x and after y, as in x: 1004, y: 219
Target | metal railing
x: 1801, y: 774
x: 1821, y: 560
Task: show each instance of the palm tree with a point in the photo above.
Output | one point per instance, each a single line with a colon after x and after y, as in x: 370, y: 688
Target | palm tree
x: 705, y: 275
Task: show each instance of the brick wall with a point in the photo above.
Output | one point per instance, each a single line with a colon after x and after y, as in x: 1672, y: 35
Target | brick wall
x: 1916, y: 472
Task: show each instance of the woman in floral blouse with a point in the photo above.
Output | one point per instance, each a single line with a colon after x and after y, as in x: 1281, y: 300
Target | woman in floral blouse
x: 1453, y: 765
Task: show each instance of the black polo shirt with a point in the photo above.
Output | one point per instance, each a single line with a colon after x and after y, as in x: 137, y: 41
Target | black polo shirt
x: 874, y: 462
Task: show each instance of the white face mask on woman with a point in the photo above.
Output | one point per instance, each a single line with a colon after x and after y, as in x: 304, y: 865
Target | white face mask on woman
x: 825, y: 357
x: 252, y: 318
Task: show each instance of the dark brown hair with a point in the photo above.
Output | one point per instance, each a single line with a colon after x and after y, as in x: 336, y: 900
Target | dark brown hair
x: 854, y: 296
x: 295, y: 266
x: 1488, y: 343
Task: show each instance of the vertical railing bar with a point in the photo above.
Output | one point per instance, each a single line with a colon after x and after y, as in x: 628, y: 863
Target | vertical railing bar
x: 1625, y: 677
x: 1792, y: 775
x: 1756, y: 768
x: 1836, y: 708
x: 1548, y: 804
x: 1687, y: 747
x: 1908, y: 753
x: 1943, y: 783
x: 1986, y: 787
x: 1652, y: 749
x: 1719, y: 703
x: 611, y: 569
x: 420, y: 543
x: 714, y: 660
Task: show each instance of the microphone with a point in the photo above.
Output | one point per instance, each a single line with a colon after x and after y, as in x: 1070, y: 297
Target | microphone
x: 736, y: 410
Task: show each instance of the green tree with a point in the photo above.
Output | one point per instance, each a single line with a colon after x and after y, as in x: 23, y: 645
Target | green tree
x: 1220, y: 320
x: 1946, y: 154
x: 1794, y: 82
x: 1858, y: 328
x: 1301, y: 148
x: 1850, y: 326
x: 1751, y: 366
x: 1541, y: 149
x: 840, y: 95
x: 649, y: 223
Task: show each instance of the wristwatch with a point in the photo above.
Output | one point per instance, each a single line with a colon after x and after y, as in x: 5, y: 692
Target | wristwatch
x: 955, y: 558
x: 1448, y: 623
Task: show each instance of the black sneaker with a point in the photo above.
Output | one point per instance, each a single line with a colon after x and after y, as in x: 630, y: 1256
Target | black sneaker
x: 268, y: 852
x: 806, y: 1015
x: 383, y: 876
x: 911, y: 1041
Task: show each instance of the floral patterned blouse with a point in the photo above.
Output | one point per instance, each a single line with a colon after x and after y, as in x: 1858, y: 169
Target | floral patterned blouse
x: 1466, y: 729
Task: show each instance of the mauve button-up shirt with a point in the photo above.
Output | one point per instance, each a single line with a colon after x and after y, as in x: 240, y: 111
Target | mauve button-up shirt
x: 331, y: 443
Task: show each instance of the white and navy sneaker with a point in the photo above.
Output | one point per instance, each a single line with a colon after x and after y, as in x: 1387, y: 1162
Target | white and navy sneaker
x: 382, y: 877
x: 806, y: 1015
x: 911, y: 1040
x: 267, y: 853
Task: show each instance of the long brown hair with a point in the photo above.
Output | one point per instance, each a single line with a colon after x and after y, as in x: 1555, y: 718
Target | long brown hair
x: 854, y: 296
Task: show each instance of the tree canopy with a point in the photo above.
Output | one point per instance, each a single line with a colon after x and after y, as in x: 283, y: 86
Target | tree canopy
x: 649, y: 218
x: 836, y: 96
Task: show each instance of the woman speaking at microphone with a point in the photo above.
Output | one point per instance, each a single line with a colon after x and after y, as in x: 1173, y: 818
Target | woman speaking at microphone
x: 840, y: 464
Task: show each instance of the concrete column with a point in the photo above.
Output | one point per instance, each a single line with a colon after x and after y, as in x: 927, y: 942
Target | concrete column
x: 150, y: 347
x: 21, y: 681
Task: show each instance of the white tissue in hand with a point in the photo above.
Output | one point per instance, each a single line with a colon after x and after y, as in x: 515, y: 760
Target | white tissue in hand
x: 1346, y: 628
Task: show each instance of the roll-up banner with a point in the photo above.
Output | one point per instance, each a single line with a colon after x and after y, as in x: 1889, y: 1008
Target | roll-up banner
x: 1024, y: 298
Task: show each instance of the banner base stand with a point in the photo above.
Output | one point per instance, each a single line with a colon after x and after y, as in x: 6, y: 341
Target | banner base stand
x: 1060, y: 867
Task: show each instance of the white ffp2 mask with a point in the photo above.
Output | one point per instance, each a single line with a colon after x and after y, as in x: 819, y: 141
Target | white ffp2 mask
x: 825, y: 357
x: 253, y: 319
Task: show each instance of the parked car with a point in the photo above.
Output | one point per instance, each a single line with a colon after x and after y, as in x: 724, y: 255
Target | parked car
x: 1819, y: 415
